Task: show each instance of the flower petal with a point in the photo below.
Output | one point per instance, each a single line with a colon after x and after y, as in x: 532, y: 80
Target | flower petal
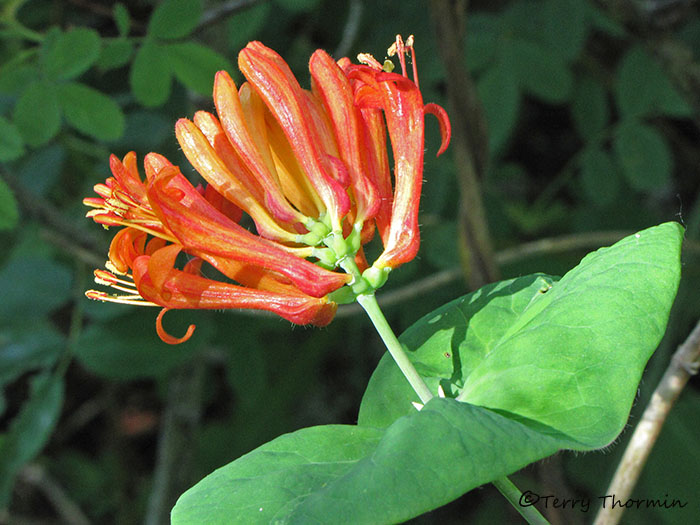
x: 271, y: 78
x: 200, y: 228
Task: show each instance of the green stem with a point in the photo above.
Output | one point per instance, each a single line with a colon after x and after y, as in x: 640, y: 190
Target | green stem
x: 369, y: 303
x: 519, y: 502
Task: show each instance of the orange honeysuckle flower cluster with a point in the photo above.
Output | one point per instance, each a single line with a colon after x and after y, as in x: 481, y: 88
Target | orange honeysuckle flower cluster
x: 309, y: 167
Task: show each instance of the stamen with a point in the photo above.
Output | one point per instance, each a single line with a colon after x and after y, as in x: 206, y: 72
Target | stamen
x: 136, y: 300
x: 369, y: 60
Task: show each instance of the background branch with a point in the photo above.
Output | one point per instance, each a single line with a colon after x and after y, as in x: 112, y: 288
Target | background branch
x: 469, y: 143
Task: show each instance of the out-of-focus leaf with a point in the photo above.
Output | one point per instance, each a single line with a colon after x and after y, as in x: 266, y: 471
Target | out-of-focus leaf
x: 175, y: 18
x: 115, y: 53
x: 30, y: 430
x: 643, y: 154
x: 601, y: 21
x: 440, y: 245
x: 482, y: 40
x: 39, y: 171
x: 32, y: 287
x: 195, y: 65
x: 121, y: 18
x: 151, y: 76
x: 11, y: 144
x: 565, y: 27
x: 72, y: 53
x: 244, y: 25
x: 129, y: 348
x: 298, y: 6
x: 589, y: 107
x: 500, y: 97
x: 145, y: 131
x: 642, y: 88
x: 14, y: 80
x: 37, y: 114
x: 540, y: 71
x: 27, y: 347
x: 599, y: 176
x: 9, y: 214
x: 91, y: 111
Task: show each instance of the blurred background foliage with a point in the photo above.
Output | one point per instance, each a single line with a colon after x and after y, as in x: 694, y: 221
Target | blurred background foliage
x: 580, y: 124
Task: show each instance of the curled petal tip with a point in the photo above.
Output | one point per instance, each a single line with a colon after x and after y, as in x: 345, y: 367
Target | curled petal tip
x: 443, y: 122
x: 165, y: 336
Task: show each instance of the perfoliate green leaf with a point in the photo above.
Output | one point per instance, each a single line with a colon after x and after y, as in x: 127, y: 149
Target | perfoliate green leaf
x: 348, y: 474
x: 72, y: 53
x: 37, y: 114
x: 599, y: 176
x: 174, y: 18
x: 589, y: 107
x: 30, y: 430
x: 564, y: 358
x: 644, y: 155
x: 9, y: 214
x: 195, y: 65
x: 11, y: 144
x: 642, y: 88
x: 151, y: 76
x: 91, y: 111
x: 121, y: 18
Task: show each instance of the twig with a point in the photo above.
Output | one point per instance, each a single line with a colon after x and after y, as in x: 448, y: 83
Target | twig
x: 68, y: 510
x: 352, y: 25
x: 219, y: 12
x: 684, y: 364
x: 469, y: 143
x: 175, y: 452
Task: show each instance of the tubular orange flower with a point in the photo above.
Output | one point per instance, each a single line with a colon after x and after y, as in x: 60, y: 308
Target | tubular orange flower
x: 309, y: 167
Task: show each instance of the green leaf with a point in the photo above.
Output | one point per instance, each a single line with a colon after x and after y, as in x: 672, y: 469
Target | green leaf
x: 174, y: 18
x: 246, y: 24
x: 32, y: 287
x: 195, y: 65
x: 11, y: 144
x: 298, y: 6
x: 349, y: 474
x: 91, y: 111
x: 481, y: 42
x: 589, y: 107
x: 645, y: 157
x: 500, y: 97
x: 642, y: 88
x: 565, y: 360
x: 540, y: 71
x: 115, y: 53
x: 37, y: 114
x: 30, y: 430
x: 599, y: 176
x: 27, y: 347
x: 565, y: 27
x: 128, y: 347
x: 151, y: 75
x: 14, y: 80
x: 72, y: 53
x: 121, y: 18
x: 9, y: 213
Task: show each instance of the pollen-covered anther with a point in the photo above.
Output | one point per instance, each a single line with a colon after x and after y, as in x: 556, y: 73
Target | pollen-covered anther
x: 132, y: 299
x: 369, y: 60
